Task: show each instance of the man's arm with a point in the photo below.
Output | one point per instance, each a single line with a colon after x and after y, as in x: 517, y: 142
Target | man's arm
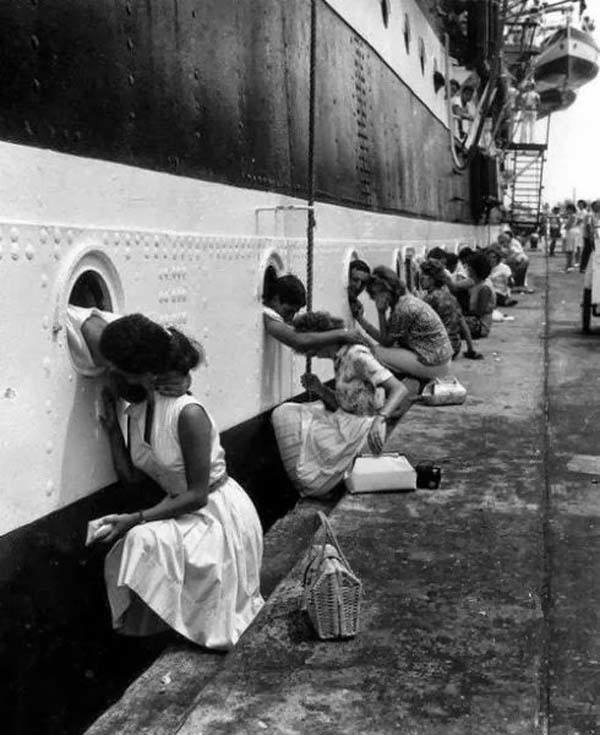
x: 303, y: 341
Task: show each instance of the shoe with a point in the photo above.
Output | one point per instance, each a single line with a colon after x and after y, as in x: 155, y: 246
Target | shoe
x: 511, y: 302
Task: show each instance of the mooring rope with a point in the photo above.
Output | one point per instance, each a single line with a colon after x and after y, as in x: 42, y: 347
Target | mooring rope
x: 311, y: 164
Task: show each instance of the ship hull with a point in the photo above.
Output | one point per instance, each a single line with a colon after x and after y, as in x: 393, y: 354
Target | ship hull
x: 165, y: 149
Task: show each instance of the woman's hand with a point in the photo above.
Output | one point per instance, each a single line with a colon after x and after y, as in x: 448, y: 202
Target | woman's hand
x: 172, y: 384
x: 382, y: 301
x: 356, y: 308
x: 121, y: 523
x: 376, y: 437
x: 311, y: 383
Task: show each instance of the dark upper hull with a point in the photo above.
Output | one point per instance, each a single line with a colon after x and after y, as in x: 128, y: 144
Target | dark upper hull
x: 219, y: 90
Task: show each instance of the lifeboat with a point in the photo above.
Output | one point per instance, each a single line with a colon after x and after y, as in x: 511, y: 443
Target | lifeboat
x: 567, y: 60
x: 553, y: 100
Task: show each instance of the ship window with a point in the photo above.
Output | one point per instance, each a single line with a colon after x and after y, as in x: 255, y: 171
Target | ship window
x: 90, y: 290
x: 268, y: 282
x: 385, y: 12
x: 407, y: 33
x: 422, y: 57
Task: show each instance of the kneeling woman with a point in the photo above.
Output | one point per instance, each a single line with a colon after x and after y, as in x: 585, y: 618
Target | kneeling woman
x: 318, y: 441
x: 192, y: 561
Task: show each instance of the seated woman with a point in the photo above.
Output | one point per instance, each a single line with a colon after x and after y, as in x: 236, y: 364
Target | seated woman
x: 192, y: 561
x: 413, y: 341
x: 437, y: 295
x: 482, y: 300
x: 318, y: 441
x: 501, y: 278
x: 286, y: 296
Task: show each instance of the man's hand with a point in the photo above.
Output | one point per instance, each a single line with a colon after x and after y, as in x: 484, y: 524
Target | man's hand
x: 172, y: 384
x: 355, y: 337
x: 311, y: 383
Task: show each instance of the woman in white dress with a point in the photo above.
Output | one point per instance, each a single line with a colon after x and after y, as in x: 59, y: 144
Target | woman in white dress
x: 192, y: 561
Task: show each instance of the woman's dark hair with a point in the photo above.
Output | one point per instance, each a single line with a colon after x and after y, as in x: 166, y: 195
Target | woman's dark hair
x: 480, y: 264
x: 582, y: 203
x: 185, y: 354
x: 435, y: 270
x: 386, y: 278
x: 136, y: 344
x: 317, y: 321
x: 570, y: 207
x: 465, y: 253
x: 437, y: 254
x: 359, y: 265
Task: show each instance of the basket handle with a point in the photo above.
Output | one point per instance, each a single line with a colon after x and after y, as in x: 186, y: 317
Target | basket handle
x: 329, y: 535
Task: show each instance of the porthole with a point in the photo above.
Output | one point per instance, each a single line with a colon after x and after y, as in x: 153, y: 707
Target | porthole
x: 385, y: 12
x: 89, y: 279
x: 270, y: 268
x: 407, y: 33
x: 422, y: 55
x: 90, y: 290
x: 438, y: 78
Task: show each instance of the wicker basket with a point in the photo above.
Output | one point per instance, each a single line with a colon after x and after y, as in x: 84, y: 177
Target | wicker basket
x: 332, y: 592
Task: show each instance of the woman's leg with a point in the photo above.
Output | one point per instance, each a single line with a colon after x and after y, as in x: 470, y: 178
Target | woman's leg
x: 405, y: 362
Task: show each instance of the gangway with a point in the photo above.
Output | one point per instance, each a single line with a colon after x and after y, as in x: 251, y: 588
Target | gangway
x: 524, y: 163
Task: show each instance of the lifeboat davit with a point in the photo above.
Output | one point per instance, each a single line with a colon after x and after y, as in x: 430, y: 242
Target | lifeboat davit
x: 567, y: 60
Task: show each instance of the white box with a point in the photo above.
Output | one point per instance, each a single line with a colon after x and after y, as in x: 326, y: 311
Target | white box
x: 376, y: 473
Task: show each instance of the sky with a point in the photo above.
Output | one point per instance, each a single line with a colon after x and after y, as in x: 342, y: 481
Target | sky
x: 573, y: 157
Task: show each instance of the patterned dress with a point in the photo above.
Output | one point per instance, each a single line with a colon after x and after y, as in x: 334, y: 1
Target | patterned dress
x: 317, y: 446
x: 447, y: 308
x: 415, y: 326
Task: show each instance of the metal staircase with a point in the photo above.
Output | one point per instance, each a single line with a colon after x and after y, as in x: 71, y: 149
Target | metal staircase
x: 524, y: 162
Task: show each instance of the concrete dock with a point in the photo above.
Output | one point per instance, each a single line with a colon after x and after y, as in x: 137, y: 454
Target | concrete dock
x: 480, y: 598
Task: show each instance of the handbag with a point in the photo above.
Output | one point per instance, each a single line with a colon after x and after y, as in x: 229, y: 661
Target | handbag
x: 444, y: 392
x: 332, y: 592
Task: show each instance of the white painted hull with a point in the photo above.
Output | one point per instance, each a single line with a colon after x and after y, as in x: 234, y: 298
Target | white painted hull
x: 187, y: 253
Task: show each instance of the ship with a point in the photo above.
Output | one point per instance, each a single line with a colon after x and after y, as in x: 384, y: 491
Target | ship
x: 164, y: 157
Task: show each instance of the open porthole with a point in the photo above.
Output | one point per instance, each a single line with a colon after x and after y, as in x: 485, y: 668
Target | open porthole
x: 270, y: 269
x: 90, y: 290
x: 87, y: 280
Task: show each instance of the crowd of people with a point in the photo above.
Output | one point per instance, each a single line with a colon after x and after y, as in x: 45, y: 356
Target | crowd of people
x: 573, y: 229
x: 191, y: 562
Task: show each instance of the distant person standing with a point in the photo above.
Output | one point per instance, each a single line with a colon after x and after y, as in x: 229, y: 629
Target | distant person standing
x: 582, y: 215
x: 589, y: 234
x: 530, y: 103
x: 554, y: 229
x: 571, y: 236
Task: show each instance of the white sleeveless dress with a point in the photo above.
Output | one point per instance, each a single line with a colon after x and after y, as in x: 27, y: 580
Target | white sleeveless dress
x: 198, y: 573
